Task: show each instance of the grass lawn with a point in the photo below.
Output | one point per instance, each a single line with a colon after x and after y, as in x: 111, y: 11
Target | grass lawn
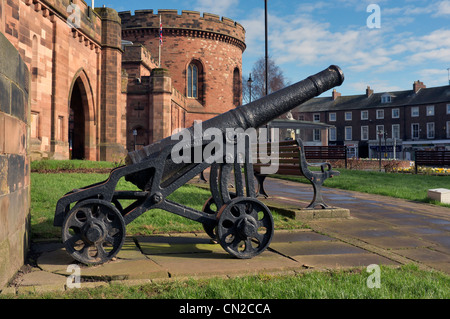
x: 406, y: 282
x: 406, y: 186
x: 47, y: 189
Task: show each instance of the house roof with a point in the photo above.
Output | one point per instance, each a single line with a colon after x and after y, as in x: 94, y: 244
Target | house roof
x: 294, y: 124
x: 358, y: 102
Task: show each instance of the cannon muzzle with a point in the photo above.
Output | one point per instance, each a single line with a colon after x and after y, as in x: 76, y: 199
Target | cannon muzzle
x: 255, y: 114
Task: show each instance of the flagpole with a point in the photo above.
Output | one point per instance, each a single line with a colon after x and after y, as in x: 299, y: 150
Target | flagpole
x: 160, y: 40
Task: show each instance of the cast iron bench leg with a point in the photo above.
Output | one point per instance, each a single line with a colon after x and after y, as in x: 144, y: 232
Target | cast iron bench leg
x: 261, y: 190
x: 317, y: 199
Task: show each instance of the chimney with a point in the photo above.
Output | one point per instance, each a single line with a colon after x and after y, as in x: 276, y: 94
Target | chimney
x: 418, y: 85
x: 336, y: 94
x: 369, y: 92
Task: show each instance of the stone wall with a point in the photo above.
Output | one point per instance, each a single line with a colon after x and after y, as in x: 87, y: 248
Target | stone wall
x: 67, y: 64
x: 14, y: 161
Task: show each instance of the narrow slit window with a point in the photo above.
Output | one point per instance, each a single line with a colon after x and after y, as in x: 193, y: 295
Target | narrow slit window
x: 192, y: 81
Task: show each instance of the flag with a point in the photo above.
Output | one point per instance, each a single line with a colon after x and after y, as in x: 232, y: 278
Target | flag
x: 160, y: 32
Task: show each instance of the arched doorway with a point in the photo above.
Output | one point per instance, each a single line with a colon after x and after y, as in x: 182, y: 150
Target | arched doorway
x: 77, y: 128
x: 81, y: 120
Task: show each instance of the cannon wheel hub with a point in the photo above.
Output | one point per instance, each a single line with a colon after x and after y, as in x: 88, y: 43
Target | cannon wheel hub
x: 93, y: 232
x: 245, y: 227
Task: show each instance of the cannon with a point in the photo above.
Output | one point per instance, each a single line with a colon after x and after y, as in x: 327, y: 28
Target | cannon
x: 93, y: 221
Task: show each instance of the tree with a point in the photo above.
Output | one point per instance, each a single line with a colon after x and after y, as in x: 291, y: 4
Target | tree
x: 276, y: 80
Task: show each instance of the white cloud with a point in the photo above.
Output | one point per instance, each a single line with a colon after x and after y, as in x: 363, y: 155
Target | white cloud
x: 222, y: 7
x: 443, y: 9
x: 302, y: 40
x: 433, y: 77
x: 378, y: 86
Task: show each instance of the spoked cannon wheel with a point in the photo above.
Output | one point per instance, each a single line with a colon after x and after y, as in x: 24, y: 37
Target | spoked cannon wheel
x: 211, y: 208
x: 93, y: 232
x: 245, y: 227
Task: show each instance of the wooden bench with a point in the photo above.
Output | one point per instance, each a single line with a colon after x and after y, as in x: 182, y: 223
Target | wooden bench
x: 334, y: 152
x: 432, y: 159
x: 292, y: 161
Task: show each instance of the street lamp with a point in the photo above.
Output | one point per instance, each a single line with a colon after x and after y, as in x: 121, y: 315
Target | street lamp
x: 267, y: 49
x: 249, y: 83
x: 380, y: 135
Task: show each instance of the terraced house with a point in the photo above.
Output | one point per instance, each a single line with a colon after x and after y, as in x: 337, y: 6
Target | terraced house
x: 393, y: 123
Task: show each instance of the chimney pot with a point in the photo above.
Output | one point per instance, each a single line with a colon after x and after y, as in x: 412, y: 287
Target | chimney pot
x: 335, y: 94
x: 418, y: 85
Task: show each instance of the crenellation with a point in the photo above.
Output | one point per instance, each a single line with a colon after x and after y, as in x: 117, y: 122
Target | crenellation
x: 188, y: 20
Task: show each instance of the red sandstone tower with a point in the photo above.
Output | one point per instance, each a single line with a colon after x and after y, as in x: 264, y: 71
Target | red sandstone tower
x: 200, y: 74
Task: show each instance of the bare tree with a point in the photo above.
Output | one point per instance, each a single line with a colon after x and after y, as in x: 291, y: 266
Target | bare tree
x: 276, y: 80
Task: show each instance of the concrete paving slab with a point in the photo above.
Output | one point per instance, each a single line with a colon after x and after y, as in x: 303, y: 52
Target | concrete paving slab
x: 398, y: 242
x: 315, y: 248
x: 130, y: 250
x: 431, y: 256
x: 343, y: 260
x: 296, y: 209
x: 298, y: 236
x: 55, y: 261
x: 221, y: 263
x: 125, y: 269
x: 43, y: 281
x: 157, y: 245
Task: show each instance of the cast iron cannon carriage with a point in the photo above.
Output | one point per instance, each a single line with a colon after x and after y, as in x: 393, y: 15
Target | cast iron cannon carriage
x: 93, y: 220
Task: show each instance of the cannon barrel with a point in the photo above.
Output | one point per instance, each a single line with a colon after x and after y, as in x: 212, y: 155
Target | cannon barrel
x: 254, y: 114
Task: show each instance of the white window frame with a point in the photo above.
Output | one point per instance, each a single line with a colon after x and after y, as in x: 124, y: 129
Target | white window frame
x: 333, y: 134
x: 430, y: 110
x: 192, y: 81
x: 396, y: 131
x: 431, y: 127
x: 314, y: 117
x: 415, y: 111
x: 365, y: 115
x: 364, y: 133
x: 412, y: 131
x: 380, y: 114
x: 386, y: 98
x: 348, y: 116
x: 347, y: 137
x: 396, y: 116
x: 317, y: 135
x: 380, y: 128
x: 448, y: 108
x: 332, y: 117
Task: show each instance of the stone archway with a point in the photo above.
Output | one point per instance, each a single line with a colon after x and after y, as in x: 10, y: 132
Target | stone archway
x: 82, y: 133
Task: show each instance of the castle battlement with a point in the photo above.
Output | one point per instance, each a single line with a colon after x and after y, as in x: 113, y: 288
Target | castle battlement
x: 191, y: 22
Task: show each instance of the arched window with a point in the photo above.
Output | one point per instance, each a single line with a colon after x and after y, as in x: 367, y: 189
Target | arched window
x: 192, y: 81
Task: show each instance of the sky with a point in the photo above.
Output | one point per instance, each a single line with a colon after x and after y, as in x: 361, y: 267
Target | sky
x: 384, y: 44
